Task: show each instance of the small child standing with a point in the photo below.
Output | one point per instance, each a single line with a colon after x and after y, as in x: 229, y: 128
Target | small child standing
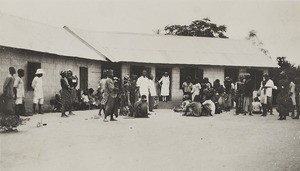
x: 256, y: 106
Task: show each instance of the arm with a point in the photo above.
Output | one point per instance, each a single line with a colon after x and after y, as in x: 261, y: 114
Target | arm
x: 16, y: 84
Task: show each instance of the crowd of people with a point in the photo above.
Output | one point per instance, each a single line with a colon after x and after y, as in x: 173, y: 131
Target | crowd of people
x: 205, y: 99
x: 138, y: 96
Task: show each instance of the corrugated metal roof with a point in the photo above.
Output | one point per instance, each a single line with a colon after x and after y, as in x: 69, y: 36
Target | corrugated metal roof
x: 24, y: 34
x: 166, y: 49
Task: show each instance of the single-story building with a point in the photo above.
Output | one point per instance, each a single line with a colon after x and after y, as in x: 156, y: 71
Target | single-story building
x: 180, y: 56
x: 29, y: 45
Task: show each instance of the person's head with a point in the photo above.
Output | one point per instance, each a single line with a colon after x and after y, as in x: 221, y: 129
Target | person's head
x: 104, y: 74
x: 91, y: 90
x: 69, y: 73
x: 39, y: 72
x: 227, y: 79
x: 21, y: 73
x: 134, y: 77
x: 266, y: 76
x: 185, y: 97
x: 205, y: 80
x: 63, y: 74
x: 126, y: 78
x: 166, y: 74
x: 256, y: 99
x: 85, y: 92
x: 116, y: 79
x: 247, y: 76
x: 144, y: 98
x: 144, y: 73
x: 110, y: 73
x: 12, y: 70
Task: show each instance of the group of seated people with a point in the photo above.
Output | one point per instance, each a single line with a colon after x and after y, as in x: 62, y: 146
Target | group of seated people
x: 85, y: 100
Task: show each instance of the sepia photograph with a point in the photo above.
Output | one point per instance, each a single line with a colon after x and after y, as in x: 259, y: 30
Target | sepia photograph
x: 149, y: 85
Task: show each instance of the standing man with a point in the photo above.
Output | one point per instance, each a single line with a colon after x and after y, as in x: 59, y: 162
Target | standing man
x: 248, y: 94
x: 110, y: 95
x: 38, y: 94
x: 101, y: 90
x: 266, y: 88
x: 143, y: 84
x: 19, y: 93
x: 153, y: 93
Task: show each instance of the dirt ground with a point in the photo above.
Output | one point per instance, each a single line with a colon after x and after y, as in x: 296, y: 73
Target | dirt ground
x: 165, y: 141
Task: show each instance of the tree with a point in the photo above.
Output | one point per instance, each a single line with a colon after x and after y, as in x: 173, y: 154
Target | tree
x: 252, y: 36
x: 198, y: 28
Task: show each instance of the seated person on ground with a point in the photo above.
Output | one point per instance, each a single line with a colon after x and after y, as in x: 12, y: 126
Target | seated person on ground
x: 256, y: 106
x: 182, y: 107
x: 140, y: 109
x: 85, y: 99
x: 56, y: 103
x: 208, y: 107
x: 193, y: 108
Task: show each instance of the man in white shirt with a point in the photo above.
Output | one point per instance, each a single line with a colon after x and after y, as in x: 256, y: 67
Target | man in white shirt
x: 19, y: 93
x: 143, y: 84
x: 266, y: 88
x: 38, y: 95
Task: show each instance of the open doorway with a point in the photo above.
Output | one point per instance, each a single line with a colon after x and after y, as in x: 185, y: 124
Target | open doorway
x: 159, y: 73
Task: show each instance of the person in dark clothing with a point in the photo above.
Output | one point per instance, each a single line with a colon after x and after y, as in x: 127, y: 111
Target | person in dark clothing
x: 248, y: 94
x: 228, y: 94
x: 65, y: 94
x: 73, y: 82
x: 110, y: 95
x: 284, y: 102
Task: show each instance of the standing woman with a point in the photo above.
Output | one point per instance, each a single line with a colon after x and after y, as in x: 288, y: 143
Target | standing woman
x: 165, y: 86
x: 284, y: 101
x: 73, y: 82
x: 65, y: 94
x: 9, y: 119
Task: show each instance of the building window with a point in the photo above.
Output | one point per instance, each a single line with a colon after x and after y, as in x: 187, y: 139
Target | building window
x: 31, y: 69
x: 193, y: 72
x: 83, y: 78
x: 233, y: 73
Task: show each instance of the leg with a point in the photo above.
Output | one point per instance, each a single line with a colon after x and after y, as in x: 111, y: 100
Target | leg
x: 34, y: 106
x: 40, y: 109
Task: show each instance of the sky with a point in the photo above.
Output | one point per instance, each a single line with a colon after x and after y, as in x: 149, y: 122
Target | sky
x: 277, y: 22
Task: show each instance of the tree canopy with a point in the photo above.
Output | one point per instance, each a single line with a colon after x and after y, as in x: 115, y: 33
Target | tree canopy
x: 198, y: 28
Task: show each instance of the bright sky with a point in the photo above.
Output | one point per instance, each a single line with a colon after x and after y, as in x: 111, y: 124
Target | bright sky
x: 277, y: 22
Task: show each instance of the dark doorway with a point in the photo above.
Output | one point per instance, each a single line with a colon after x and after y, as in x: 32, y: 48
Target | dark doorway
x: 233, y: 73
x: 31, y: 69
x: 257, y: 75
x: 160, y: 71
x: 83, y: 78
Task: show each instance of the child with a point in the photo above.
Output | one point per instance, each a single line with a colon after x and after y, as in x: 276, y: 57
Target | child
x: 85, y: 99
x: 256, y: 106
x: 141, y: 108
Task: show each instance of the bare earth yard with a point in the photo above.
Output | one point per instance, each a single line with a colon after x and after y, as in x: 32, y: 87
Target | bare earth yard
x: 165, y: 141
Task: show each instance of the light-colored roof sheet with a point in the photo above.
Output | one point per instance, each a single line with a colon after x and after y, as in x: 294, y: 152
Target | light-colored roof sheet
x: 166, y: 49
x: 24, y: 34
